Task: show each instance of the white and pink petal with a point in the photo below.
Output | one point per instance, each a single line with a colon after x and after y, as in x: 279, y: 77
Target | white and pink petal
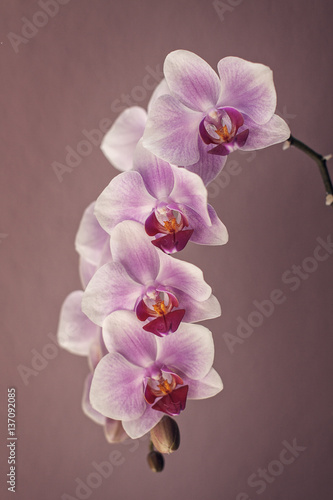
x: 110, y: 289
x: 125, y: 198
x: 156, y: 173
x: 184, y: 276
x: 117, y: 388
x: 86, y: 271
x: 131, y: 247
x: 208, y: 166
x: 114, y: 431
x: 120, y: 141
x: 215, y: 234
x: 91, y: 237
x: 198, y: 310
x: 248, y: 87
x: 161, y: 89
x: 191, y: 80
x: 76, y: 332
x: 189, y: 190
x: 171, y: 132
x: 190, y: 351
x: 273, y: 132
x: 139, y: 427
x: 207, y: 387
x: 123, y: 333
x: 88, y: 410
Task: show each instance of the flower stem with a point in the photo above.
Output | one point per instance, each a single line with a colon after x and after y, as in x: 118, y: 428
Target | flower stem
x: 321, y: 162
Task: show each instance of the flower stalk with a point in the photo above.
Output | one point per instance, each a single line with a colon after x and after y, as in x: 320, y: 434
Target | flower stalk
x: 321, y: 162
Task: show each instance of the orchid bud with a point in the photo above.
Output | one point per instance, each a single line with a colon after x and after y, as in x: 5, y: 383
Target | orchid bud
x: 165, y: 435
x: 155, y: 461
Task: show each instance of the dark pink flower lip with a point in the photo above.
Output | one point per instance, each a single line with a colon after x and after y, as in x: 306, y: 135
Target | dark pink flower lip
x: 161, y: 308
x: 168, y: 323
x: 220, y: 127
x: 170, y: 223
x: 174, y: 242
x: 173, y: 403
x: 155, y: 304
x: 171, y: 392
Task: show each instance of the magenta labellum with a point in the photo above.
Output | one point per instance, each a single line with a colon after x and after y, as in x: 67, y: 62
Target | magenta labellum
x: 170, y: 392
x: 172, y: 224
x: 221, y: 127
x: 160, y: 305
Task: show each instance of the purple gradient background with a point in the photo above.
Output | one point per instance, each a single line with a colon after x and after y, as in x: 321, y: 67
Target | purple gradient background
x: 278, y: 383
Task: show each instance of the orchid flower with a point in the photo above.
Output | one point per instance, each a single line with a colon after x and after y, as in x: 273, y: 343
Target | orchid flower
x: 143, y: 279
x: 144, y: 377
x: 206, y: 117
x: 170, y: 201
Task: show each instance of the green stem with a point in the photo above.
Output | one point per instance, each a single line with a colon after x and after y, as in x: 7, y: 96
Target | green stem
x: 321, y: 162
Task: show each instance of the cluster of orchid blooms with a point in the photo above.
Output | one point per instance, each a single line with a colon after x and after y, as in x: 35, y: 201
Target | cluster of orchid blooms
x: 134, y: 318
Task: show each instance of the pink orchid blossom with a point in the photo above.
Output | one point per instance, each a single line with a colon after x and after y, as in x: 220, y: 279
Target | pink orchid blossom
x: 141, y: 278
x: 144, y: 377
x: 170, y: 201
x: 205, y: 117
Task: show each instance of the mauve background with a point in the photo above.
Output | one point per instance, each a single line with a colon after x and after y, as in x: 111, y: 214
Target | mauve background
x: 278, y: 382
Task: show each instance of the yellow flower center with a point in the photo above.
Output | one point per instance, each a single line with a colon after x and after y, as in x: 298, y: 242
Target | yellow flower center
x: 223, y: 133
x: 160, y: 308
x: 165, y: 387
x: 171, y: 225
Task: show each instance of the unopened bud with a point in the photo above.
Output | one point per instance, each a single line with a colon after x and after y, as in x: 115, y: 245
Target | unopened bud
x: 165, y: 435
x: 155, y: 461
